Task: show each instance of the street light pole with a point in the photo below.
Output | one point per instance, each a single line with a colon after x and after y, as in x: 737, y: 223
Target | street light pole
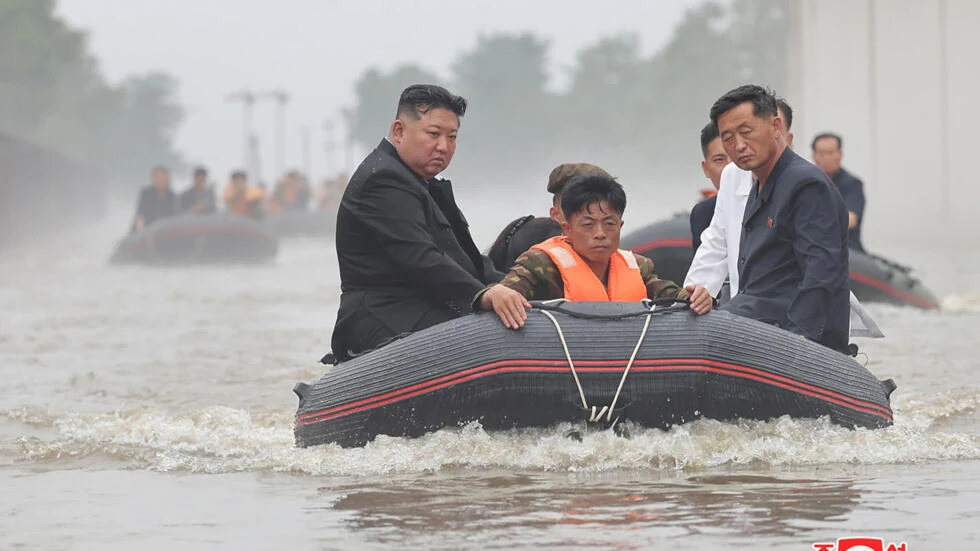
x: 248, y: 101
x: 281, y: 98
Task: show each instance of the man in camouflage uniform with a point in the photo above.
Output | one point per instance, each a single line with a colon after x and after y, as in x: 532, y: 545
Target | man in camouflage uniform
x: 592, y: 207
x: 536, y: 277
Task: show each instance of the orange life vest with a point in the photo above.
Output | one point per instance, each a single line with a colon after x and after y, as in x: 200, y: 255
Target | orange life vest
x: 581, y: 284
x: 244, y: 204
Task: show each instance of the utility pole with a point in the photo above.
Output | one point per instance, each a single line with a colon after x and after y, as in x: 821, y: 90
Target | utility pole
x: 248, y: 139
x: 329, y: 146
x: 304, y: 136
x: 348, y: 115
x: 281, y: 98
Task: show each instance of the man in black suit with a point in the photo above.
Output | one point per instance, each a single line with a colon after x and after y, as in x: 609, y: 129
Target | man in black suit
x: 407, y: 260
x: 827, y: 155
x: 715, y: 160
x: 793, y: 262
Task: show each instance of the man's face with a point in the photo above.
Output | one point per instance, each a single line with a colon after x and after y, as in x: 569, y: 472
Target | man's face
x: 161, y: 180
x: 749, y: 141
x: 239, y: 183
x: 827, y: 155
x: 715, y: 162
x: 594, y: 231
x: 200, y: 181
x: 427, y: 144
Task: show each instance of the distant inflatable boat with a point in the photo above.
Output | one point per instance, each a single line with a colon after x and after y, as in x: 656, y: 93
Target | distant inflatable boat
x: 199, y: 239
x: 302, y: 223
x: 655, y: 365
x: 873, y: 278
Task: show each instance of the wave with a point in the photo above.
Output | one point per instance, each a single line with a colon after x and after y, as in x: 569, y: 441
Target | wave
x: 956, y: 304
x: 220, y: 439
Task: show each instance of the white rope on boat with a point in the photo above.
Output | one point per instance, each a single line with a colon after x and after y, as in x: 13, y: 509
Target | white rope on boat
x: 596, y: 415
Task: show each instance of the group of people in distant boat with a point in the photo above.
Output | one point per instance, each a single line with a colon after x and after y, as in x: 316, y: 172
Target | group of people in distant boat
x: 291, y: 193
x: 779, y: 231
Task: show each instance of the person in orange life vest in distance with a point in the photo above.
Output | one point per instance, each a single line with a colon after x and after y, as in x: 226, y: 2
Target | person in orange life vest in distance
x: 586, y: 263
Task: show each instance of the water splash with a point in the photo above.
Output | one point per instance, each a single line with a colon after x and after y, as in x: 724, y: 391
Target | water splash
x: 958, y: 304
x: 220, y: 439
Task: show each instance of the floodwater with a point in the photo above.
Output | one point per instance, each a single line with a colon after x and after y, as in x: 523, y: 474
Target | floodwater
x: 152, y: 409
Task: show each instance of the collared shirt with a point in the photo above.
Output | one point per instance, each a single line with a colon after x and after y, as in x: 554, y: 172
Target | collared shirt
x: 852, y: 190
x: 536, y: 276
x: 793, y: 262
x: 717, y: 257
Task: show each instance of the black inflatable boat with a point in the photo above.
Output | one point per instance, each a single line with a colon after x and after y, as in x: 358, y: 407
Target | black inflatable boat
x: 667, y: 243
x: 199, y: 239
x: 873, y: 278
x: 591, y: 362
x: 303, y: 223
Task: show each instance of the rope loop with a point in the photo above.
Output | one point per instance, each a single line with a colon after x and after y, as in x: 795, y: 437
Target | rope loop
x: 596, y: 414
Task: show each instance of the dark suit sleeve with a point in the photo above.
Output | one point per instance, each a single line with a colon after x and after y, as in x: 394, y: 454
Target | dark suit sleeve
x: 854, y: 197
x: 701, y: 216
x: 821, y: 253
x: 395, y: 217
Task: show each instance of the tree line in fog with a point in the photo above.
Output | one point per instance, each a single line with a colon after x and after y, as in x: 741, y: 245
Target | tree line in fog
x: 641, y: 110
x: 619, y: 104
x: 53, y: 93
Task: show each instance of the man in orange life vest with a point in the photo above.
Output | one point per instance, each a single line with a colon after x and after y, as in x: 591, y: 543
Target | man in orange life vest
x: 586, y: 263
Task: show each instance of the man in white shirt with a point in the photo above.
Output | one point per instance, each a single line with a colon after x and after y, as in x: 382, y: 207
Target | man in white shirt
x: 717, y: 257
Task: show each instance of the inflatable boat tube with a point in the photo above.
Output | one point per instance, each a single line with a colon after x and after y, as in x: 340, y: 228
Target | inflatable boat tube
x: 873, y: 278
x: 306, y: 223
x: 199, y: 239
x: 686, y: 367
x: 667, y: 243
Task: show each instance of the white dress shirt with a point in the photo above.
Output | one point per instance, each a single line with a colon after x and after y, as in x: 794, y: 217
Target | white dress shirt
x: 717, y: 257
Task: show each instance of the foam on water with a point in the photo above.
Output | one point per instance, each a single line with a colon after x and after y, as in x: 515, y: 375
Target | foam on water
x: 957, y: 304
x: 220, y: 439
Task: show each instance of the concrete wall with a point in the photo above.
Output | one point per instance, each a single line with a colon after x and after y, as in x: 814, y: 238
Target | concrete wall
x: 899, y: 80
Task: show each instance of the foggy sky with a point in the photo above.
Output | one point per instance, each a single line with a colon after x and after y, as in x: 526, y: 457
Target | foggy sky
x: 316, y: 49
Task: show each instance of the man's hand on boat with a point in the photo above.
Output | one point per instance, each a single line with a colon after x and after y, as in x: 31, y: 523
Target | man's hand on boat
x: 509, y: 305
x: 700, y: 299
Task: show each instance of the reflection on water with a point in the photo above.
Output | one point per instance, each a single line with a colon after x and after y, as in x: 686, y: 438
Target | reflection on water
x: 718, y: 504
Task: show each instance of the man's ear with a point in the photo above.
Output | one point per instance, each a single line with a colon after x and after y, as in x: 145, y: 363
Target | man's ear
x: 553, y: 213
x: 565, y: 227
x: 704, y: 168
x: 789, y: 139
x: 397, y: 131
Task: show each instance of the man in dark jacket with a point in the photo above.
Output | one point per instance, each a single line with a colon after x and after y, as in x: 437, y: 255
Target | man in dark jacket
x: 199, y: 198
x: 407, y: 260
x: 793, y: 262
x: 715, y: 160
x: 156, y: 201
x: 827, y: 155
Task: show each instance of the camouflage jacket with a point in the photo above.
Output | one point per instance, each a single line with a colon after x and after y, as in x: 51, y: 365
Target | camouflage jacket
x: 536, y: 276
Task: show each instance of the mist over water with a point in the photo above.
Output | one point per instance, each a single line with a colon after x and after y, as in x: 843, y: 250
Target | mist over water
x: 121, y: 383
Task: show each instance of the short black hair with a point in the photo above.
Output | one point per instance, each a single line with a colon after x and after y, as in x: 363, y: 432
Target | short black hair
x: 840, y: 142
x: 763, y: 101
x: 583, y: 191
x: 708, y: 134
x: 200, y: 171
x: 781, y: 105
x: 238, y: 174
x: 419, y: 99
